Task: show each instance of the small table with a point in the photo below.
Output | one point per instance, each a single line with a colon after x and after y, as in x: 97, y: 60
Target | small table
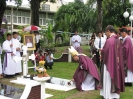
x: 42, y: 80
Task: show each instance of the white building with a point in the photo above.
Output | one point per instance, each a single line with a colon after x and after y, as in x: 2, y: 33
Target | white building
x: 21, y: 16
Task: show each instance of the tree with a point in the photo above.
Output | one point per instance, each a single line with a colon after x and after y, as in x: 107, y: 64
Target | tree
x: 2, y: 10
x: 113, y: 12
x: 73, y: 16
x: 35, y: 6
x: 100, y: 15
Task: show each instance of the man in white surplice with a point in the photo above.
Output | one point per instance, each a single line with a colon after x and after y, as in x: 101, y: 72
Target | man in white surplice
x: 9, y: 68
x: 76, y: 40
x: 16, y: 52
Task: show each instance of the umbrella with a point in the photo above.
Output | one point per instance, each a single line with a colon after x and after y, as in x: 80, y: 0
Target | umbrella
x: 32, y: 28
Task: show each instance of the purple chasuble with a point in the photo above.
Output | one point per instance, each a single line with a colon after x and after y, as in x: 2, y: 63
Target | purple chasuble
x: 88, y: 67
x: 128, y: 53
x: 112, y: 56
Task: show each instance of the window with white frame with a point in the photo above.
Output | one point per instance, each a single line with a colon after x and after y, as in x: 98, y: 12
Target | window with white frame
x: 42, y: 19
x: 22, y: 17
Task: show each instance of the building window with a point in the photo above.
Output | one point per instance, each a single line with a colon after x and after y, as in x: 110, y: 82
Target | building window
x: 19, y: 19
x: 40, y: 21
x: 23, y: 21
x: 8, y: 18
x: 44, y: 21
x: 28, y: 21
x: 14, y: 19
x: 45, y: 7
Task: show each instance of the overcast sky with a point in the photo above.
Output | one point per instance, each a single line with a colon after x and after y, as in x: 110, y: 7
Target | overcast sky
x: 26, y: 1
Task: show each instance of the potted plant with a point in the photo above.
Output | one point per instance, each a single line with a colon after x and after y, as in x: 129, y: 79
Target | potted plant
x: 41, y: 71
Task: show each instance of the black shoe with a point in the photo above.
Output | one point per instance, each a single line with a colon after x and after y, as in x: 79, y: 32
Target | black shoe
x: 50, y: 67
x: 9, y: 76
x: 128, y: 84
x: 46, y: 67
x: 17, y: 74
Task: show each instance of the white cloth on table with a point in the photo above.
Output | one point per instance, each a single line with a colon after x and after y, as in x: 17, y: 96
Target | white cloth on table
x: 129, y: 77
x: 106, y: 90
x: 76, y: 44
x: 10, y: 69
x: 17, y: 44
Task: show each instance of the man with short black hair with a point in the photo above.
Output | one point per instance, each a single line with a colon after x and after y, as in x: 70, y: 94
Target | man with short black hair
x: 16, y: 52
x: 99, y: 43
x: 49, y: 59
x: 128, y: 56
x: 9, y: 69
x: 76, y: 40
x: 112, y: 73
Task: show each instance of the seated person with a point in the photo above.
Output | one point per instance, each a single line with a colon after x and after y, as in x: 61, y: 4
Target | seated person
x: 48, y: 59
x: 39, y: 56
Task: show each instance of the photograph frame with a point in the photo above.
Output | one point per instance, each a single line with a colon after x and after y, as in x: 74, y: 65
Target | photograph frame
x: 31, y: 38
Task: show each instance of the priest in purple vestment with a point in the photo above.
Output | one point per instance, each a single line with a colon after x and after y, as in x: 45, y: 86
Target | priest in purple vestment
x: 128, y: 56
x: 86, y: 76
x: 112, y: 73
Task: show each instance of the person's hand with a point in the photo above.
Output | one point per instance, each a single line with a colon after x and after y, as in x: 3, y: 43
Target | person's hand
x: 100, y: 57
x: 100, y: 50
x: 12, y: 54
x: 11, y: 45
x: 76, y: 41
x: 18, y: 49
x: 69, y: 83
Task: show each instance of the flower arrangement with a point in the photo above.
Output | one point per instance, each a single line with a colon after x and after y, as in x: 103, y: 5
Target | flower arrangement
x: 41, y: 71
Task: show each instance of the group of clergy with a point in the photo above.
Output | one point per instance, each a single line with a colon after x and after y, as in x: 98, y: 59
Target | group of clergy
x: 116, y: 70
x: 12, y: 48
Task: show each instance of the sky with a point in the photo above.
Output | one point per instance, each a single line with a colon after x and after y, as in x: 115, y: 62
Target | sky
x: 26, y: 2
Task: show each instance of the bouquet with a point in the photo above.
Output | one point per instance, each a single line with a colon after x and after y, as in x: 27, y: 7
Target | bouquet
x: 41, y: 71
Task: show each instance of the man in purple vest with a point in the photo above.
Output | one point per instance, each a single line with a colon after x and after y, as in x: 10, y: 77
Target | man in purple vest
x: 112, y: 72
x: 128, y: 56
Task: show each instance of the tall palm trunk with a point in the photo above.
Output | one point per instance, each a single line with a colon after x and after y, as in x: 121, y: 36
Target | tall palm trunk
x: 35, y: 5
x: 2, y: 10
x: 100, y: 16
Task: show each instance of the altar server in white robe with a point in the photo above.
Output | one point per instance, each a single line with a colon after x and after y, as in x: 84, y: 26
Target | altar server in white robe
x: 9, y: 68
x: 16, y: 52
x: 76, y: 40
x: 0, y: 63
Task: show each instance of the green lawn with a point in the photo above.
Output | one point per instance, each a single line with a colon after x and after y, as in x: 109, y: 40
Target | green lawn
x: 66, y: 70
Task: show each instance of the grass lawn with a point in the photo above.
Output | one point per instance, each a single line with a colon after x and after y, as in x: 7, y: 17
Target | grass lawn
x: 66, y: 70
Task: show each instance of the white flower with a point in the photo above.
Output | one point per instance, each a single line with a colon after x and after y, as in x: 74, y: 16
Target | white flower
x: 41, y: 69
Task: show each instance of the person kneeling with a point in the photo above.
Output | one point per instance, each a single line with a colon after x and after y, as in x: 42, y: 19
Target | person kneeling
x: 86, y: 76
x: 48, y: 59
